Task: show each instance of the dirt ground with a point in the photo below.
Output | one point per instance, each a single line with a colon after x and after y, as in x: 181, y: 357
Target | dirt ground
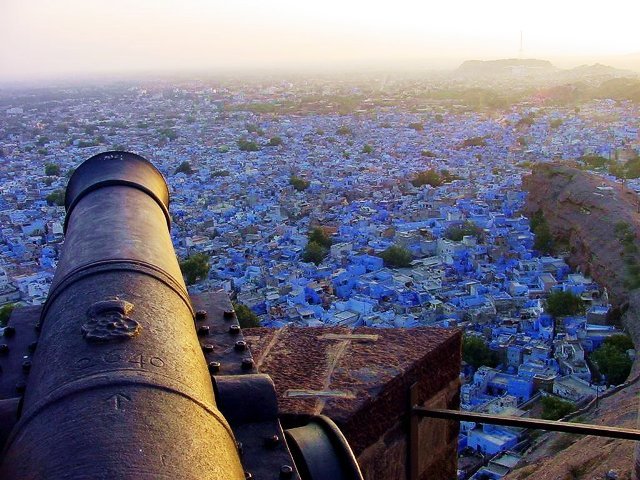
x: 561, y: 456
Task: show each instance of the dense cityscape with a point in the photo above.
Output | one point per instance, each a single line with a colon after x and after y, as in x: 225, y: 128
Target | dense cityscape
x: 383, y: 203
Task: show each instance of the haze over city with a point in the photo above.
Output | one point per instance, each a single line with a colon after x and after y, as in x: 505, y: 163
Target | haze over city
x: 43, y: 39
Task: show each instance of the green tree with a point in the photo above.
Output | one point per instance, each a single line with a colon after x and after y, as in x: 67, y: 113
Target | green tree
x: 632, y: 168
x: 447, y: 176
x: 51, y: 169
x: 561, y: 304
x: 427, y: 177
x: 319, y: 236
x: 624, y: 233
x: 168, y: 133
x: 184, y: 167
x: 536, y: 220
x: 525, y: 122
x: 62, y: 128
x: 252, y: 128
x: 298, y: 183
x: 247, y: 145
x: 86, y: 143
x: 314, y: 252
x: 56, y: 198
x: 474, y: 142
x: 246, y: 317
x: 554, y: 408
x: 5, y: 313
x: 476, y: 353
x: 617, y: 170
x: 457, y: 232
x: 621, y: 342
x: 396, y: 257
x: 612, y: 359
x: 594, y: 161
x: 195, y: 267
x: 367, y: 148
x: 275, y: 141
x: 544, y: 241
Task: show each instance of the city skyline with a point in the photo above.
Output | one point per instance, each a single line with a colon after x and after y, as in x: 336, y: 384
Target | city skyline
x: 44, y: 39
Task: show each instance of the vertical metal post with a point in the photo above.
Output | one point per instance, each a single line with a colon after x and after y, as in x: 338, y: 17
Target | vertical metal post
x: 414, y: 434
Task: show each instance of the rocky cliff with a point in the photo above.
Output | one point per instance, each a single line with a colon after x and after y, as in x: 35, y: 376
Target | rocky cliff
x: 598, y: 221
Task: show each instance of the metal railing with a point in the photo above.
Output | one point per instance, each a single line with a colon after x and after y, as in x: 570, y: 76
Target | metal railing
x: 418, y: 413
x: 535, y: 423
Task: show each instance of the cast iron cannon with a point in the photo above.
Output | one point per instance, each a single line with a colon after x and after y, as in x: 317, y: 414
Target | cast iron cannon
x: 118, y: 384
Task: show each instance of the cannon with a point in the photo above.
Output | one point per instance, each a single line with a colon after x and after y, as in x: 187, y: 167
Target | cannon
x: 117, y: 383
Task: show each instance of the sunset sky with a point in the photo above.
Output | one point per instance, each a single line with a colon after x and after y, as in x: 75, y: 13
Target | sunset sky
x: 45, y: 38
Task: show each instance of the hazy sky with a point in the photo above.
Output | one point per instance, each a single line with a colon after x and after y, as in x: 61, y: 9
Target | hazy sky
x: 41, y: 38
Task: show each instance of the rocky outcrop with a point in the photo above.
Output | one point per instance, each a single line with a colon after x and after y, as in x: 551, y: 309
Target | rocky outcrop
x: 587, y: 211
x: 562, y: 456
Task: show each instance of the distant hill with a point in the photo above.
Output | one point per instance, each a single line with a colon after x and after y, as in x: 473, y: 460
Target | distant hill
x: 620, y: 89
x: 595, y: 69
x: 585, y: 89
x: 596, y: 72
x: 630, y: 61
x: 507, y: 66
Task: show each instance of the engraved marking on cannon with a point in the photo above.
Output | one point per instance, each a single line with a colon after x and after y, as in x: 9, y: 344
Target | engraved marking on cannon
x: 112, y: 156
x: 156, y: 362
x: 118, y: 400
x: 121, y: 358
x: 83, y: 362
x: 109, y: 321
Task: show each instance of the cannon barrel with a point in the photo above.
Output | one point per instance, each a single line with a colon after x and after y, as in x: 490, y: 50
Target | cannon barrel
x: 119, y: 387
